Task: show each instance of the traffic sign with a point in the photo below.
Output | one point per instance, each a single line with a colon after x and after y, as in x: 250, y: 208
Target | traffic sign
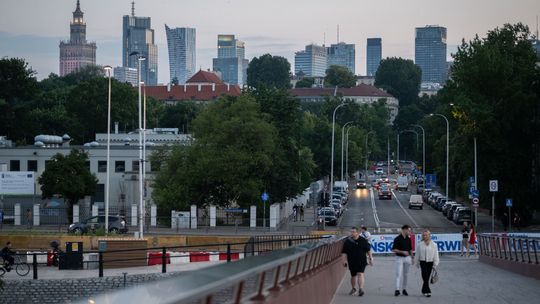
x: 475, y: 202
x: 475, y: 193
x: 265, y: 196
x: 431, y: 180
x: 493, y: 185
x: 508, y: 202
x: 471, y: 181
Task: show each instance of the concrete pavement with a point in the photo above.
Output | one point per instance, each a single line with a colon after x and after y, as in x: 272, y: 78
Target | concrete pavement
x: 461, y: 280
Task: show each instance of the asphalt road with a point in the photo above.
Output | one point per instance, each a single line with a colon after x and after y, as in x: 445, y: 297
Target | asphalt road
x: 365, y: 208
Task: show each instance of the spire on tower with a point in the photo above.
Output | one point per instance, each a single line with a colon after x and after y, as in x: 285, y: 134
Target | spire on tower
x: 133, y: 8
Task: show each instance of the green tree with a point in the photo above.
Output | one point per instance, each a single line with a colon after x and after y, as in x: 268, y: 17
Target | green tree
x: 401, y: 78
x: 339, y: 76
x: 67, y: 175
x: 306, y: 82
x: 269, y: 71
x: 227, y: 162
x: 180, y: 115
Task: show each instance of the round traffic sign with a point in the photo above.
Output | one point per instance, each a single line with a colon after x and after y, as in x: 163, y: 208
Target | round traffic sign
x: 475, y: 201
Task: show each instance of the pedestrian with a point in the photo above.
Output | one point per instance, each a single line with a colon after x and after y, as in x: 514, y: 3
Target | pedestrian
x: 365, y: 233
x: 7, y: 255
x: 472, y: 240
x: 28, y: 218
x: 357, y: 255
x: 402, y: 247
x: 302, y: 212
x: 295, y: 212
x: 427, y: 258
x: 505, y: 220
x: 517, y: 221
x: 465, y: 233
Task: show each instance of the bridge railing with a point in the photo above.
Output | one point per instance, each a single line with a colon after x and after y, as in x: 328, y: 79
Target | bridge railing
x: 517, y: 249
x: 265, y: 278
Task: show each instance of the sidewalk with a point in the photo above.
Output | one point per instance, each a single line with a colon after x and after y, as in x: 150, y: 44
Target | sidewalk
x: 462, y: 280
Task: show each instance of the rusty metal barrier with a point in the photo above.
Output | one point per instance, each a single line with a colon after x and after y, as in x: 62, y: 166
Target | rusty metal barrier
x: 255, y: 279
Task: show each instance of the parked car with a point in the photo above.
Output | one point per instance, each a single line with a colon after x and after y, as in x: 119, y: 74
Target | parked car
x: 426, y: 193
x: 464, y: 215
x: 117, y: 224
x: 379, y: 171
x: 384, y: 192
x: 447, y: 207
x: 337, y: 208
x: 450, y: 213
x: 416, y: 201
x: 441, y: 203
x: 420, y: 188
x: 456, y: 212
x: 438, y: 201
x: 361, y: 184
x: 329, y: 217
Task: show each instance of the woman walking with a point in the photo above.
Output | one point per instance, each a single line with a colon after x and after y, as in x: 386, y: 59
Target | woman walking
x: 427, y: 257
x: 472, y: 240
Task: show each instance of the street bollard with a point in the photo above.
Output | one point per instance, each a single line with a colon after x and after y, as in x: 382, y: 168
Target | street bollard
x: 125, y: 275
x: 163, y: 260
x: 34, y: 266
x: 101, y: 264
x: 228, y: 253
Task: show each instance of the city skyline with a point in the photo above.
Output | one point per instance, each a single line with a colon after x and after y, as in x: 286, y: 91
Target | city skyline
x: 265, y: 33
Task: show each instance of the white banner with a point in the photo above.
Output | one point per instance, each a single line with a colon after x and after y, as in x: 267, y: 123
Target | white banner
x: 446, y: 243
x: 17, y: 183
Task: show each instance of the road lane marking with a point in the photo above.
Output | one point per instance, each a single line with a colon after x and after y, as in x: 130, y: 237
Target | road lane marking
x: 405, y: 211
x: 374, y: 207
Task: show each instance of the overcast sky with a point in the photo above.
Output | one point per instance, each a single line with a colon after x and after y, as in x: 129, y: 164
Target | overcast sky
x: 32, y: 29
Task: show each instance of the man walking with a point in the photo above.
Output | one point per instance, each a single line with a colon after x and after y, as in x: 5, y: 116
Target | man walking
x: 402, y: 247
x: 465, y: 232
x: 302, y: 212
x: 295, y: 212
x: 355, y: 251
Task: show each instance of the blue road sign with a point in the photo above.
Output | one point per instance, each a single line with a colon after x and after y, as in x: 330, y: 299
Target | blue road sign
x: 475, y: 193
x: 431, y: 180
x: 508, y: 202
x: 471, y: 180
x: 265, y: 196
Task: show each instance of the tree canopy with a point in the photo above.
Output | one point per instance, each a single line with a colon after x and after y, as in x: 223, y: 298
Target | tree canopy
x: 339, y: 76
x: 401, y: 78
x: 269, y: 71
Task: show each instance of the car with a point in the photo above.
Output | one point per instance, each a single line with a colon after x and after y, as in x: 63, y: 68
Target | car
x: 419, y: 188
x: 447, y: 206
x: 361, y: 184
x: 438, y: 201
x: 416, y: 201
x: 426, y: 193
x: 402, y: 183
x: 463, y: 215
x: 451, y: 210
x: 456, y: 212
x: 337, y: 208
x: 117, y: 224
x: 441, y: 203
x: 380, y: 164
x: 329, y: 217
x: 384, y: 192
x: 433, y: 198
x: 379, y: 171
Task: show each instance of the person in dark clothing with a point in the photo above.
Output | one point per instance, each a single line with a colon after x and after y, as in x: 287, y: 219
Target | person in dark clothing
x: 7, y: 255
x: 402, y: 247
x: 355, y: 252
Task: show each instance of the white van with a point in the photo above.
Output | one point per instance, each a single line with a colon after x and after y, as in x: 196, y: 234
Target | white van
x: 402, y: 182
x: 416, y: 201
x: 343, y: 186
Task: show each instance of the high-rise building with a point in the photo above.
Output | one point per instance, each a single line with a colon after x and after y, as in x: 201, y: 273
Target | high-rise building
x: 126, y: 74
x: 77, y: 52
x: 231, y: 63
x: 181, y: 45
x: 373, y: 55
x: 138, y: 36
x: 430, y: 53
x: 342, y: 54
x: 312, y: 62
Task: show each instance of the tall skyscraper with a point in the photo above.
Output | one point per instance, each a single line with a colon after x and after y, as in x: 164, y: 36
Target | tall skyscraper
x: 77, y: 52
x: 312, y: 62
x: 126, y: 74
x: 373, y: 55
x: 342, y: 54
x: 138, y: 36
x: 181, y: 45
x: 430, y: 53
x: 231, y: 62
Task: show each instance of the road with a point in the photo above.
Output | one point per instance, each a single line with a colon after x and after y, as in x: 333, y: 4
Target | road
x: 365, y: 208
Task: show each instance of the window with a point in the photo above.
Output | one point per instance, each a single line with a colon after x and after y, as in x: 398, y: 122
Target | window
x: 135, y: 165
x: 102, y: 166
x: 32, y: 165
x: 87, y: 165
x: 14, y: 165
x: 119, y: 166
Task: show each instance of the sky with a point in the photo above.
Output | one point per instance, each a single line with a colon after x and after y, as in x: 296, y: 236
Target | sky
x: 32, y: 29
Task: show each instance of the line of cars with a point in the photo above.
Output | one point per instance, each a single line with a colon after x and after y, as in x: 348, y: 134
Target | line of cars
x: 336, y: 205
x: 452, y: 210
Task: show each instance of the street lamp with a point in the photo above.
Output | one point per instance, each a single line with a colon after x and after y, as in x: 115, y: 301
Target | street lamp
x: 342, y: 143
x: 367, y: 153
x: 141, y: 210
x: 423, y: 149
x: 347, y: 152
x: 447, y: 146
x: 332, y: 158
x: 108, y: 68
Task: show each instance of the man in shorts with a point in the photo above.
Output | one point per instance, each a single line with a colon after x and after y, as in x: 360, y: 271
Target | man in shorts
x: 356, y: 251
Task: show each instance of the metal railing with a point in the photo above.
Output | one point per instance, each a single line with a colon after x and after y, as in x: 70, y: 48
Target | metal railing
x: 517, y: 249
x: 249, y: 280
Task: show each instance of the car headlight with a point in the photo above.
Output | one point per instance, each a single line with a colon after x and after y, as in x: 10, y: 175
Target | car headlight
x: 71, y: 226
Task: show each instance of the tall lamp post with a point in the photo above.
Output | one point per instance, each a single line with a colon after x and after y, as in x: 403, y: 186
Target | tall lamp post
x: 342, y: 144
x: 332, y: 158
x: 367, y: 153
x: 141, y: 210
x: 447, y: 145
x: 423, y: 149
x: 347, y: 151
x: 108, y: 68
